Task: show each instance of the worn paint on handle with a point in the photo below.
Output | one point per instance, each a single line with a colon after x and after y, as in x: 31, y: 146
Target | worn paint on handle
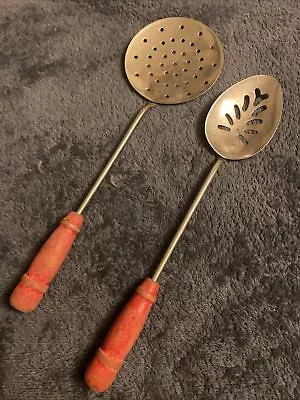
x: 34, y: 284
x: 121, y: 337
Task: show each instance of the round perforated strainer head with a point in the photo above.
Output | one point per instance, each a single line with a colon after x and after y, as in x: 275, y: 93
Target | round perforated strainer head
x: 245, y: 117
x: 174, y: 60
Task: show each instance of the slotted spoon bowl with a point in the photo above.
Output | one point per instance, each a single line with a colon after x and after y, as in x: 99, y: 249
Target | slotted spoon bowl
x: 245, y: 117
x: 170, y: 61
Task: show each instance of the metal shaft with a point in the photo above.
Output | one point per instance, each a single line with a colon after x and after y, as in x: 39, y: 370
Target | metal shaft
x: 114, y: 156
x: 186, y: 219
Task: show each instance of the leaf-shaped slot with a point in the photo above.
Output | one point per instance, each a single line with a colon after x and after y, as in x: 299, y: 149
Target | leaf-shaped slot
x: 243, y: 139
x: 259, y: 110
x: 229, y: 119
x: 259, y: 97
x: 237, y: 112
x: 255, y: 121
x: 224, y: 128
x: 250, y: 131
x: 246, y: 103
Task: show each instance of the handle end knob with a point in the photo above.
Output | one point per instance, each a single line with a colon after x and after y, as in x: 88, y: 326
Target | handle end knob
x: 102, y: 365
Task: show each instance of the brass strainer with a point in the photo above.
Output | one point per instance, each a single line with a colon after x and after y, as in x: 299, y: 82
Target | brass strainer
x: 174, y: 60
x: 169, y: 61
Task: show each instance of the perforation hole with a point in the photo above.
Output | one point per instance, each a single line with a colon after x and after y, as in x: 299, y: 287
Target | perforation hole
x: 184, y: 70
x: 136, y: 74
x: 167, y: 96
x: 195, y: 76
x: 176, y: 85
x: 198, y: 51
x: 174, y: 63
x: 148, y: 65
x: 214, y: 65
x: 250, y: 131
x: 147, y: 90
x: 201, y: 59
x: 255, y: 121
x: 154, y: 48
x: 246, y: 103
x: 212, y: 47
x: 165, y: 56
x: 186, y: 82
x: 200, y: 33
x: 166, y: 84
x: 161, y: 29
x: 259, y: 97
x: 182, y: 40
x: 181, y: 26
x: 149, y: 56
x: 229, y: 119
x: 192, y: 44
x: 173, y: 51
x: 205, y: 82
x: 161, y: 65
x: 136, y: 57
x: 150, y: 73
x: 163, y: 43
x: 224, y: 128
x: 200, y: 68
x: 188, y: 61
x: 188, y: 94
x: 243, y: 139
x: 157, y: 80
x: 166, y: 72
x: 175, y: 74
x: 237, y: 112
x: 172, y: 40
x: 145, y: 40
x: 259, y: 110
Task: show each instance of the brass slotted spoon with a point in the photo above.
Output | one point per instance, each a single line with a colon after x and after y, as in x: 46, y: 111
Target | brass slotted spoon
x: 239, y: 124
x: 170, y: 61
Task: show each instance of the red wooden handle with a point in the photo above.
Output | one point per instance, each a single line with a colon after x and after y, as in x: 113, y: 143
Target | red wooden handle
x: 119, y: 340
x: 34, y: 284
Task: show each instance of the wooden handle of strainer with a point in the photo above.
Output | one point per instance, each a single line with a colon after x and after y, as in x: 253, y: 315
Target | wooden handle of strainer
x: 34, y: 284
x: 121, y: 337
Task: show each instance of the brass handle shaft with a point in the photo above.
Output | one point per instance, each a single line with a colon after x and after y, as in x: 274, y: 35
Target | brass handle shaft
x: 186, y: 219
x: 117, y: 151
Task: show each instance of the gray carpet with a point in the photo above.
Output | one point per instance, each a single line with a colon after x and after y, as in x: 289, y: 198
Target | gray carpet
x: 226, y: 324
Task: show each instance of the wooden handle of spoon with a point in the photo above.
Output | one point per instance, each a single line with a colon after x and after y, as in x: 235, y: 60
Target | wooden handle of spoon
x: 34, y: 284
x: 121, y: 337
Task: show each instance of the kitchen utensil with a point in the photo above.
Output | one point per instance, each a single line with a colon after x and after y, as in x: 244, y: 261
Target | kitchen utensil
x: 170, y: 61
x: 239, y: 124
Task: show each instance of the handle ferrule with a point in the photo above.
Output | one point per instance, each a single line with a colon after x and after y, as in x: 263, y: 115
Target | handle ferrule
x: 34, y: 284
x: 121, y: 337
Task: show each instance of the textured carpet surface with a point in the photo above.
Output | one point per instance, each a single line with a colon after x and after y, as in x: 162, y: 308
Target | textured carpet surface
x: 226, y: 324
